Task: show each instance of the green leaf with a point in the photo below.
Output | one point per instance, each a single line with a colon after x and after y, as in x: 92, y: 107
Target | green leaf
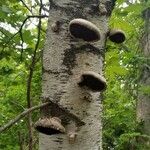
x: 134, y: 8
x: 27, y: 37
x: 5, y: 9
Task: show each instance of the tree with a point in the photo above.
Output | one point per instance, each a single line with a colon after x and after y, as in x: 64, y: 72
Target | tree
x: 20, y: 44
x: 122, y: 70
x: 143, y: 103
x: 65, y: 59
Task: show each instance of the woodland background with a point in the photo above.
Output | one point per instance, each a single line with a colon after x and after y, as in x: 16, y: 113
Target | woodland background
x: 21, y: 43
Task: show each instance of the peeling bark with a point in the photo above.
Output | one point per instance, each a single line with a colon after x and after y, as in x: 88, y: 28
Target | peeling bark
x: 64, y: 60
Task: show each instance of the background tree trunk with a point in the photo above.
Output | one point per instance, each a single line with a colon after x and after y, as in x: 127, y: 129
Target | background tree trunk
x: 64, y: 60
x: 143, y: 104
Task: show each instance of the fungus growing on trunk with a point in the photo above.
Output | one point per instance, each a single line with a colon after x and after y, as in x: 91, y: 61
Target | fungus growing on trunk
x: 49, y: 126
x: 93, y: 81
x: 116, y: 36
x: 83, y: 29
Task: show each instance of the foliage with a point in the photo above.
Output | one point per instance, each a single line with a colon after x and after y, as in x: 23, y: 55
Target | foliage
x: 120, y: 130
x: 17, y: 46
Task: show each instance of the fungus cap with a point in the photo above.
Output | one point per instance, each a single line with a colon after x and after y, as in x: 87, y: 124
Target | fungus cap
x: 93, y: 81
x: 83, y: 29
x: 49, y: 126
x: 117, y: 36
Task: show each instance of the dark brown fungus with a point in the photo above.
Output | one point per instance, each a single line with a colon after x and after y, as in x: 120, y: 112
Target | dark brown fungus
x: 49, y: 126
x: 83, y: 29
x: 93, y: 81
x: 116, y: 36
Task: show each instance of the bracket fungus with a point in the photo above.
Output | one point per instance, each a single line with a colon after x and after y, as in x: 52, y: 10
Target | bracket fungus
x: 93, y: 81
x: 49, y: 126
x: 116, y: 36
x: 85, y: 30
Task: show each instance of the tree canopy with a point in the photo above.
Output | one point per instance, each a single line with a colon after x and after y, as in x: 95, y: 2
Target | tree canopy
x: 22, y: 35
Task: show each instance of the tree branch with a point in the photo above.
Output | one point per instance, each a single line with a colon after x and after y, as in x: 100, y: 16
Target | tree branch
x: 20, y: 116
x: 23, y: 23
x: 32, y: 66
x: 26, y: 6
x: 44, y: 8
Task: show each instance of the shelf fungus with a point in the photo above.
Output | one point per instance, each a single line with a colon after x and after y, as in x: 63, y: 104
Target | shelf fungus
x: 49, y: 126
x: 85, y: 30
x: 93, y: 81
x: 116, y: 36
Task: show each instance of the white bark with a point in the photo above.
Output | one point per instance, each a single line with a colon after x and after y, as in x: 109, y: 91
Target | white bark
x: 64, y: 60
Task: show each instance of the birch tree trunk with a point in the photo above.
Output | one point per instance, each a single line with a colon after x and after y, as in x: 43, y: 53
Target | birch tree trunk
x: 64, y: 60
x: 143, y: 104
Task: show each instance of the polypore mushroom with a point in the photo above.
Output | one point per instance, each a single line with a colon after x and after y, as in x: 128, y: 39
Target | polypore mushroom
x: 93, y: 81
x: 49, y: 126
x: 116, y: 36
x: 83, y: 29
